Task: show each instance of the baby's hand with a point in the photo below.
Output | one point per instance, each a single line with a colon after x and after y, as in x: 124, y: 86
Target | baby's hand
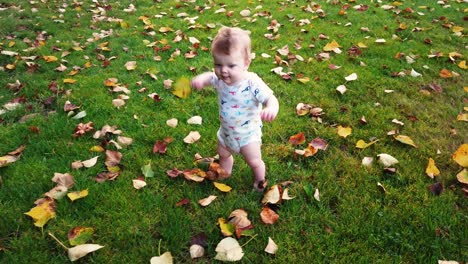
x: 196, y: 83
x: 268, y: 114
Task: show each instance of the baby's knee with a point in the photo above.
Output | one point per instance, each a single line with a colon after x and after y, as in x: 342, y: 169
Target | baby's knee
x: 255, y: 163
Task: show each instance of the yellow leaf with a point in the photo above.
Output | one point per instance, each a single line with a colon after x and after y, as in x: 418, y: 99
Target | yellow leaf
x: 11, y: 44
x: 88, y: 64
x: 361, y: 144
x: 462, y: 65
x: 74, y: 72
x: 304, y: 80
x: 182, y: 88
x: 222, y: 187
x: 462, y: 117
x: 227, y: 229
x: 10, y: 66
x: 344, y: 131
x: 331, y: 46
x: 456, y: 29
x: 131, y: 65
x: 431, y: 169
x: 50, y: 58
x: 97, y: 148
x: 461, y: 155
x: 463, y: 176
x: 165, y: 29
x: 43, y: 212
x: 405, y: 140
x: 77, y: 48
x: 69, y: 80
x: 362, y: 45
x: 77, y: 195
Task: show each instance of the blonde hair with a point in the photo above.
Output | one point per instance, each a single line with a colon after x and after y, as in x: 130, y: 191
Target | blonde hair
x: 229, y: 38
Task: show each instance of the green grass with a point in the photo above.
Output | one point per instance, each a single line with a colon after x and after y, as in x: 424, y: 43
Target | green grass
x: 354, y: 221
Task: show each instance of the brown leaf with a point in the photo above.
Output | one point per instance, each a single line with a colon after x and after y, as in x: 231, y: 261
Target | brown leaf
x: 174, y: 173
x: 160, y: 147
x: 436, y: 188
x: 182, y: 202
x: 113, y: 158
x: 297, y: 139
x: 64, y: 179
x: 82, y: 129
x: 268, y: 216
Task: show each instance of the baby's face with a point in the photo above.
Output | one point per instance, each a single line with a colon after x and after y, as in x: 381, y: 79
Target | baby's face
x: 230, y: 68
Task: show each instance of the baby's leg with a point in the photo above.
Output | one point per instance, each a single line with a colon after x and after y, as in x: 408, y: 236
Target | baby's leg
x: 253, y: 156
x: 225, y: 158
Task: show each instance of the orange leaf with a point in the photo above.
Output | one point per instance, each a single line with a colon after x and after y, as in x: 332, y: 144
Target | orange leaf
x: 297, y: 139
x: 268, y: 216
x: 444, y: 73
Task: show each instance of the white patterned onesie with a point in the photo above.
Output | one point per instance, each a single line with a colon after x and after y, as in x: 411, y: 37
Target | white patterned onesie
x: 239, y: 110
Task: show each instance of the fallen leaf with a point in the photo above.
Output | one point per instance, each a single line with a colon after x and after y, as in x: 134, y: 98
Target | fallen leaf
x: 317, y: 194
x: 172, y: 122
x: 222, y: 187
x: 196, y: 251
x: 271, y: 247
x: 344, y: 131
x: 196, y: 175
x: 405, y: 140
x: 64, y: 179
x: 444, y: 73
x: 297, y: 139
x: 131, y: 65
x: 268, y: 216
x: 461, y: 155
x: 332, y: 46
x: 160, y: 147
x: 80, y: 235
x: 207, y: 201
x: 77, y: 195
x: 341, y: 89
x: 182, y: 202
x: 272, y: 195
x: 147, y: 171
x: 462, y: 176
x: 361, y: 144
x: 43, y: 212
x: 367, y: 161
x: 195, y: 120
x: 229, y: 249
x: 351, y: 77
x: 387, y: 160
x: 90, y: 163
x: 431, y: 169
x: 227, y: 229
x: 192, y: 137
x: 139, y: 183
x: 80, y: 251
x: 436, y: 188
x: 57, y: 193
x: 182, y: 88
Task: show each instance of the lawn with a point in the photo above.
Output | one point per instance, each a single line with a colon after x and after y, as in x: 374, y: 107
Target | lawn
x: 370, y: 141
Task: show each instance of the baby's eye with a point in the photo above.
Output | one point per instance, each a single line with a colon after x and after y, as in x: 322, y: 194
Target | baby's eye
x: 232, y: 65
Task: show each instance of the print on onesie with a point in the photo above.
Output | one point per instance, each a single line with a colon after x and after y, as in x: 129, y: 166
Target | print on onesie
x: 239, y: 110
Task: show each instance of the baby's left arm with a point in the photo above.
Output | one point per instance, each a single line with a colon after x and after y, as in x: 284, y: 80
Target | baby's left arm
x: 271, y: 109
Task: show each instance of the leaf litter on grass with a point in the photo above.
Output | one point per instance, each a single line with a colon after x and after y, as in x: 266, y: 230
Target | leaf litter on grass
x: 285, y: 57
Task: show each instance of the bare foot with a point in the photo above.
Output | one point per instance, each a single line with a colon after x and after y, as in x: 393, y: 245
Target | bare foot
x: 260, y: 185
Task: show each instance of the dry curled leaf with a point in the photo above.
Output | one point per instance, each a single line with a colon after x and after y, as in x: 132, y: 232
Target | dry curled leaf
x: 229, y: 249
x: 268, y: 216
x: 431, y: 169
x: 271, y: 247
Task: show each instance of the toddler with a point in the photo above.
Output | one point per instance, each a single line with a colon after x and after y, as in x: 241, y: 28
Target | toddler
x: 244, y: 102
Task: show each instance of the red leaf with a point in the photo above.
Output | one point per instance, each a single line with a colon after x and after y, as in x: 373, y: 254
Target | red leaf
x: 159, y: 147
x: 184, y: 201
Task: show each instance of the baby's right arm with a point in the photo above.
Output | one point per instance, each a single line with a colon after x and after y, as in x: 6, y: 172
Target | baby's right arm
x: 202, y: 80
